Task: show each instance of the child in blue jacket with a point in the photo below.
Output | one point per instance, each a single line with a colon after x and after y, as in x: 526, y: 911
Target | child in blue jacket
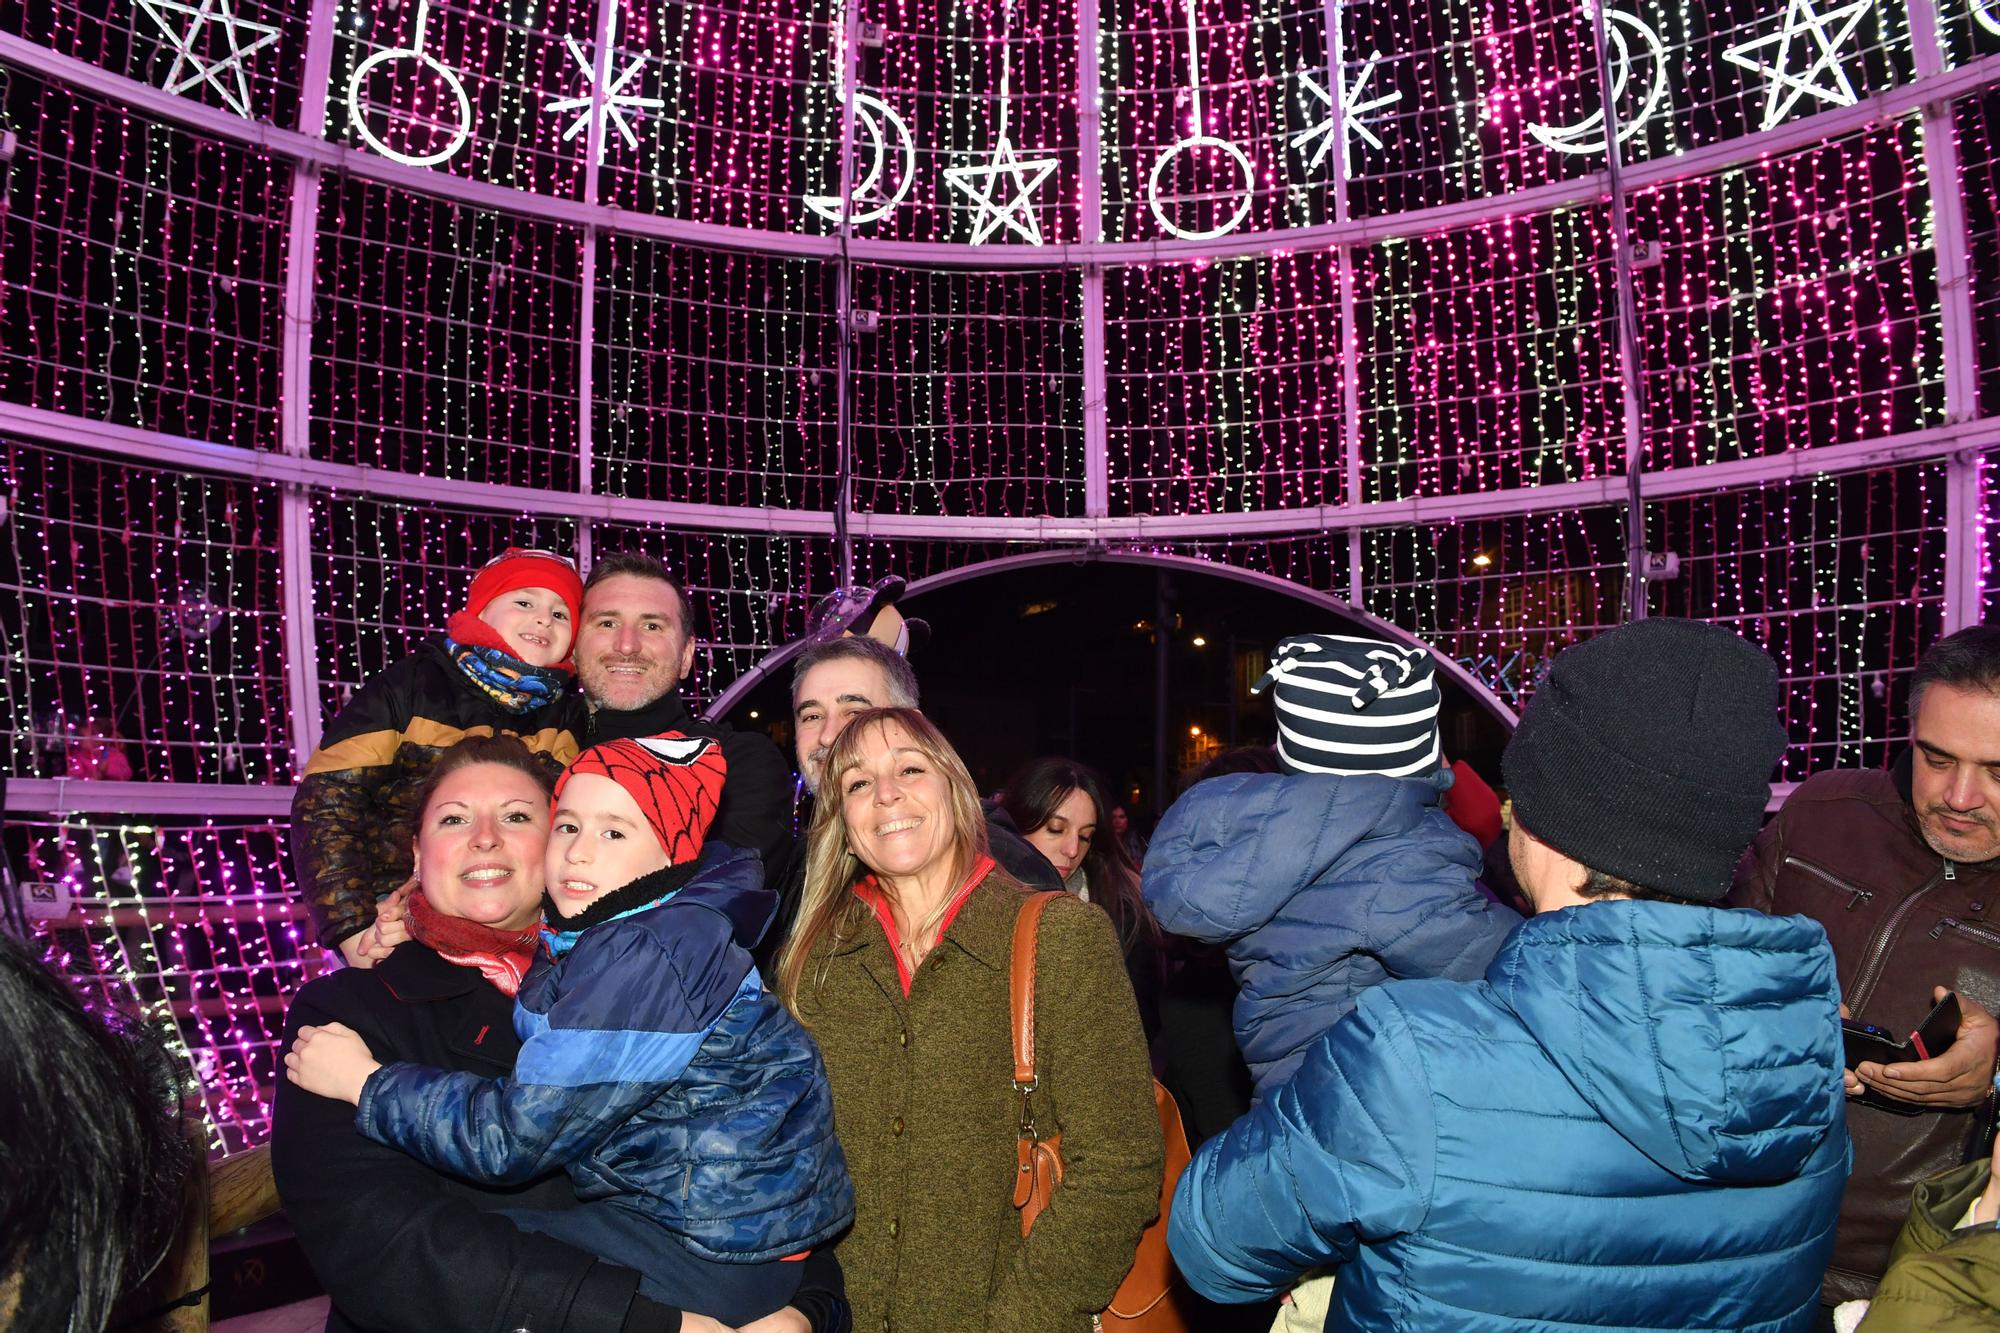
x: 690, y: 1109
x: 1340, y: 872
x: 1337, y: 873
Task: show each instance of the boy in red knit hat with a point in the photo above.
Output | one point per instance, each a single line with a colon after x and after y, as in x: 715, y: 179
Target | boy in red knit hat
x: 502, y: 666
x: 689, y: 1107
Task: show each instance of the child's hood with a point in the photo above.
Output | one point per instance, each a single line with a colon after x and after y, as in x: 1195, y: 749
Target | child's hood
x: 1230, y: 855
x: 730, y: 883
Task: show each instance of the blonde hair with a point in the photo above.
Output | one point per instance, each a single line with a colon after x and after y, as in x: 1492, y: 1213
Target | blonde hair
x: 828, y: 910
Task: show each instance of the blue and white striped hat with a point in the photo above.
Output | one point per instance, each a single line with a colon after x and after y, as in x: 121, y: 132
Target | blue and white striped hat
x: 1348, y: 706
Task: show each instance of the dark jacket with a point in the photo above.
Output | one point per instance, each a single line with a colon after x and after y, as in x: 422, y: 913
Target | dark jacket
x: 924, y: 1098
x: 1942, y: 1279
x: 352, y: 811
x: 756, y: 807
x: 1320, y: 887
x: 1633, y: 1122
x: 656, y: 1068
x: 1846, y: 851
x: 396, y: 1244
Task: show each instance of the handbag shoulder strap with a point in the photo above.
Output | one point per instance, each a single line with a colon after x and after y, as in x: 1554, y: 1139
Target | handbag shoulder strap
x: 1021, y: 988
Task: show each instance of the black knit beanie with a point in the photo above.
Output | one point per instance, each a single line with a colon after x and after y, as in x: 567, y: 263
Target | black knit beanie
x: 1647, y: 754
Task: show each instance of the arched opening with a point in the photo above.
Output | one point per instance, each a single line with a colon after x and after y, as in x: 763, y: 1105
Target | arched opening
x: 1056, y: 652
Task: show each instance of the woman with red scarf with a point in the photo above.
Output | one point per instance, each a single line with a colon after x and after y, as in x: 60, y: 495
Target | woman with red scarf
x: 396, y: 1244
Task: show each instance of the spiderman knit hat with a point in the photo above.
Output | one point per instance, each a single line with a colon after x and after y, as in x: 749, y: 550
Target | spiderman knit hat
x: 676, y: 781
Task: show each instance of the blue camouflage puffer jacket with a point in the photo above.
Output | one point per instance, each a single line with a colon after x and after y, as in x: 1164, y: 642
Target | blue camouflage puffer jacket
x: 654, y: 1066
x: 1321, y: 887
x: 1634, y: 1122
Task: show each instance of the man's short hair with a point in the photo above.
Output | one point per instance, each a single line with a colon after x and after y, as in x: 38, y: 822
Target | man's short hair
x: 641, y: 565
x: 895, y: 669
x: 1597, y: 884
x: 1967, y: 660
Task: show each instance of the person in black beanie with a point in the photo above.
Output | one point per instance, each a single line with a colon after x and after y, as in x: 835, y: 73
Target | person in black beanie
x: 1634, y: 1119
x: 1645, y: 757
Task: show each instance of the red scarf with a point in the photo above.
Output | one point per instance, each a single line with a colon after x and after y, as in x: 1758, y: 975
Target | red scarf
x: 502, y: 956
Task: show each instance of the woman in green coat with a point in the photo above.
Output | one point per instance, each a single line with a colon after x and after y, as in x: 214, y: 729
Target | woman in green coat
x: 899, y: 966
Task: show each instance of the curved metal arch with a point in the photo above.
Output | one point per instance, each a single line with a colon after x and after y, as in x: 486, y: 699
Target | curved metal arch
x: 1324, y: 601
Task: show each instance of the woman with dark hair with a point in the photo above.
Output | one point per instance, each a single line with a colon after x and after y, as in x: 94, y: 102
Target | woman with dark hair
x: 899, y: 964
x: 1127, y: 832
x: 1058, y: 806
x: 399, y: 1245
x: 92, y: 1153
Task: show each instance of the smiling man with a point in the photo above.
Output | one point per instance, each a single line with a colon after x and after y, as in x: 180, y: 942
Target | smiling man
x: 1902, y: 867
x: 634, y: 647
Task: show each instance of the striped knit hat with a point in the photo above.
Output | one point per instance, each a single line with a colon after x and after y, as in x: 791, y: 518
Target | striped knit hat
x: 1348, y: 706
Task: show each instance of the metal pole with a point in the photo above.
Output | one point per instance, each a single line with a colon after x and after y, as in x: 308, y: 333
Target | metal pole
x: 1090, y: 227
x: 1631, y: 370
x: 1163, y: 612
x: 586, y: 364
x: 295, y: 549
x: 843, y: 498
x: 1350, y: 335
x: 1965, y: 492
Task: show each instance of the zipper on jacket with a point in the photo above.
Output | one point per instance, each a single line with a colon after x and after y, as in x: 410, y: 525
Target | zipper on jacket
x: 1885, y: 935
x: 1856, y: 897
x: 1972, y: 929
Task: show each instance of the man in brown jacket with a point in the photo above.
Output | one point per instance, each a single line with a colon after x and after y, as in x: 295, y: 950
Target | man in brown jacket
x: 1902, y: 868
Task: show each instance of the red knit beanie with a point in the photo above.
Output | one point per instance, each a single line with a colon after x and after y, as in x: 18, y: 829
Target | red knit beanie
x: 515, y: 568
x: 676, y: 781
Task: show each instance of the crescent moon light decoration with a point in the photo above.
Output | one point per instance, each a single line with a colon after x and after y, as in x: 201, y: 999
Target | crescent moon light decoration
x: 1587, y: 135
x: 1983, y: 15
x: 872, y: 115
x: 1199, y: 139
x: 414, y: 51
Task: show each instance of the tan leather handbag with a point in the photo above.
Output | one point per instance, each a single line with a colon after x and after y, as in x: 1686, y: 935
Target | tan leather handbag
x: 1144, y: 1302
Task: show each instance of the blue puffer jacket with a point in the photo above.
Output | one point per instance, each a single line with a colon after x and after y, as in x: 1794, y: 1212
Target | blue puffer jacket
x: 1634, y: 1122
x: 1321, y: 887
x: 655, y: 1067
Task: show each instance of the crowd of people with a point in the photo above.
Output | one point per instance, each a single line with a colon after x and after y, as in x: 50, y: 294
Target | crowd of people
x: 628, y: 1039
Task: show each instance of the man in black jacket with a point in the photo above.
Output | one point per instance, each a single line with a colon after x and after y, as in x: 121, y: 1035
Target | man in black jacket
x: 633, y: 648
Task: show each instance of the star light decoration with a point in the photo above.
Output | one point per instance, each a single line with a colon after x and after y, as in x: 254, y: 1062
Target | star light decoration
x: 980, y: 184
x: 204, y: 69
x: 1013, y: 211
x: 1352, y: 110
x: 614, y: 101
x: 1823, y: 31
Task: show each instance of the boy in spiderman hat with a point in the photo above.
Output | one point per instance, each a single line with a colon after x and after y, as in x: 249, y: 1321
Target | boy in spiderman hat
x: 689, y: 1107
x: 502, y: 667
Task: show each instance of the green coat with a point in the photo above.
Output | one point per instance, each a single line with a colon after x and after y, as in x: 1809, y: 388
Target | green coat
x: 1938, y: 1281
x: 925, y: 1110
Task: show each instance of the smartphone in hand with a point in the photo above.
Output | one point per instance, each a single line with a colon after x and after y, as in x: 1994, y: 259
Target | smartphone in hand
x: 1867, y: 1042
